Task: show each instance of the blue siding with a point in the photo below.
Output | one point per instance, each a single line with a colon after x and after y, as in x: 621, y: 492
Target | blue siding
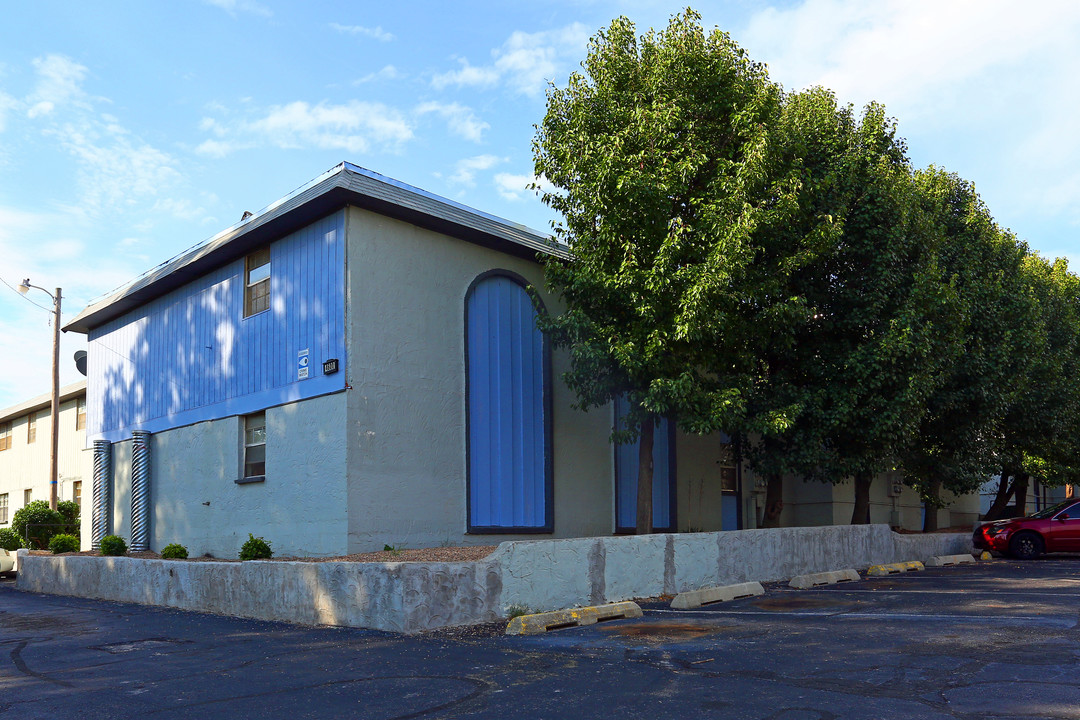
x: 191, y: 355
x: 626, y: 476
x: 508, y: 465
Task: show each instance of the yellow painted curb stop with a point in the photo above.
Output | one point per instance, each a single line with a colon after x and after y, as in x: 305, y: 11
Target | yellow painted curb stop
x: 572, y: 617
x: 894, y: 568
x: 986, y: 555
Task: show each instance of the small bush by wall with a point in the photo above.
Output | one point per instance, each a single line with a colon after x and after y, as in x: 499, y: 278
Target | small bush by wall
x: 255, y: 548
x: 113, y: 545
x: 9, y: 539
x: 37, y: 522
x: 63, y: 543
x: 174, y: 551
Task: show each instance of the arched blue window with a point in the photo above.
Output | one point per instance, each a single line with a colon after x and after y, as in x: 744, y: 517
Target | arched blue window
x: 626, y: 476
x: 507, y: 409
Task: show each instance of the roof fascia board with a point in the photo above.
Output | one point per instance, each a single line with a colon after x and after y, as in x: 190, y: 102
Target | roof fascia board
x: 43, y: 402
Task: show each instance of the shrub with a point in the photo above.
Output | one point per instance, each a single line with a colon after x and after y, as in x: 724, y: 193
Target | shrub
x: 9, y: 539
x: 69, y: 510
x: 174, y: 551
x: 63, y: 543
x: 113, y: 545
x: 43, y: 521
x: 255, y: 549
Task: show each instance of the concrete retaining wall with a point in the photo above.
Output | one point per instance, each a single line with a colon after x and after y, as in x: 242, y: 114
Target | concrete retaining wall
x: 540, y: 575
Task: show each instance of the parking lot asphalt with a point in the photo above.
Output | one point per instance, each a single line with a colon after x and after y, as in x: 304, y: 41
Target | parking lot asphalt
x: 1000, y: 639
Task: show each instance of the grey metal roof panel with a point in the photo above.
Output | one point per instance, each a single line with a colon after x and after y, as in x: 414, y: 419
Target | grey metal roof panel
x: 345, y: 184
x: 42, y: 402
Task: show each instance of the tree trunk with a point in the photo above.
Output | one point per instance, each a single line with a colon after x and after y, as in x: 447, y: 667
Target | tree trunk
x: 645, y: 477
x: 1004, y: 494
x: 930, y: 517
x: 860, y: 515
x: 774, y: 501
x: 1021, y: 494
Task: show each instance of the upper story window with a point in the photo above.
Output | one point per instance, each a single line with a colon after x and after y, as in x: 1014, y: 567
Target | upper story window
x: 5, y: 435
x: 31, y: 428
x: 80, y: 413
x: 257, y: 282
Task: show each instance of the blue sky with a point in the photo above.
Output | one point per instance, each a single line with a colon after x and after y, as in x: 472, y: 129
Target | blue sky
x: 130, y: 131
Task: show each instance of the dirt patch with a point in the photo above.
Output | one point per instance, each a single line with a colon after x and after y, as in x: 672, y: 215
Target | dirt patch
x: 436, y: 554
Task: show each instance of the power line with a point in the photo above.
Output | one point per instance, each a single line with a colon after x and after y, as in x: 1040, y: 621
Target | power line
x: 16, y: 291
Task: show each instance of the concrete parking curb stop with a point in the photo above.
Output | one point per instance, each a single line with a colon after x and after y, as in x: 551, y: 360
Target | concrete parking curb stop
x: 707, y: 596
x: 573, y: 617
x: 940, y: 560
x: 824, y: 578
x: 893, y: 568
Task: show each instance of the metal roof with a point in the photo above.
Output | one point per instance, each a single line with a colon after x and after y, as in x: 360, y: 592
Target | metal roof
x: 43, y: 402
x: 345, y: 184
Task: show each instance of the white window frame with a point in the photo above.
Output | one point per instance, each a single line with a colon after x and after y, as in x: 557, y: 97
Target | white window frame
x: 254, y: 444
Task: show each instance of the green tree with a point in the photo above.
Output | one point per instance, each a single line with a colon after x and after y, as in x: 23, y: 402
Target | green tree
x: 852, y: 379
x: 659, y: 157
x: 1040, y: 434
x: 38, y: 523
x: 955, y: 445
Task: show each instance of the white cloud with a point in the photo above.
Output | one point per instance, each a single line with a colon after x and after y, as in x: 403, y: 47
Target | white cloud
x: 460, y: 119
x: 59, y: 82
x: 525, y: 63
x: 234, y: 7
x: 516, y: 187
x: 354, y: 126
x: 7, y: 104
x: 465, y: 170
x: 376, y: 32
x: 982, y: 83
x: 387, y: 72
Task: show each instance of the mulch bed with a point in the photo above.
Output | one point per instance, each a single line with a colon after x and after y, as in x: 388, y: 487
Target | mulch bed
x: 437, y: 554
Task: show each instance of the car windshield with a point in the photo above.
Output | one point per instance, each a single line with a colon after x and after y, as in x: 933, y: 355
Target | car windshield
x: 1052, y: 510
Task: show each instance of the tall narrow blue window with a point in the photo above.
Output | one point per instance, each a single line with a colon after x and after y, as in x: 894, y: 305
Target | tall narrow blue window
x: 626, y: 476
x: 507, y: 409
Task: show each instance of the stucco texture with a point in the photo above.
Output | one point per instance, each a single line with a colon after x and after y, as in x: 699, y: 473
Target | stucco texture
x: 406, y: 412
x: 300, y: 509
x: 539, y: 575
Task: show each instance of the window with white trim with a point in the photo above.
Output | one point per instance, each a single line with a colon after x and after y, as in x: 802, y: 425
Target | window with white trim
x: 80, y: 413
x: 3, y: 509
x: 255, y: 446
x: 5, y: 435
x: 31, y: 428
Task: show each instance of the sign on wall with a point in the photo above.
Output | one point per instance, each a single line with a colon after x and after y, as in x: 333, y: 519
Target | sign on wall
x: 302, y: 359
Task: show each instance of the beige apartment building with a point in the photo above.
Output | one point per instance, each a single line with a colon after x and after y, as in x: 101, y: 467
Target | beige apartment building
x: 24, y: 454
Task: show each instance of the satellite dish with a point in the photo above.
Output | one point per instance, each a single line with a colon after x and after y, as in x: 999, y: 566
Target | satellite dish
x: 80, y: 361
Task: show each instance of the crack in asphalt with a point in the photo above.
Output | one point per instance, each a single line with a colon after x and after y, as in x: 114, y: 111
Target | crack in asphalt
x: 16, y: 657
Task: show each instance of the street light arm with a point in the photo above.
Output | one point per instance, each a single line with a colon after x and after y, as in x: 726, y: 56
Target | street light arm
x: 25, y: 285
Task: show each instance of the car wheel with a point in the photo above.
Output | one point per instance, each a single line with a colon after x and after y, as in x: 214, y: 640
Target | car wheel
x: 1025, y: 546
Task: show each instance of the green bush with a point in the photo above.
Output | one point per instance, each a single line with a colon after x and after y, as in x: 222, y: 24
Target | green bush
x: 113, y: 545
x: 255, y: 549
x: 63, y: 543
x: 174, y: 551
x: 69, y: 510
x: 43, y: 521
x: 9, y: 539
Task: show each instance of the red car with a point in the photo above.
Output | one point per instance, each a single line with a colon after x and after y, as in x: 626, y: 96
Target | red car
x: 1055, y: 529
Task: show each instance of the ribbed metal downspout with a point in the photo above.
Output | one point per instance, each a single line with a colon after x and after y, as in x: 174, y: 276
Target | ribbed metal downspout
x: 140, y: 490
x: 102, y: 511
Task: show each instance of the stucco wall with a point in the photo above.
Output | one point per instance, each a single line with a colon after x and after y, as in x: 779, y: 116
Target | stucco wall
x: 406, y: 414
x: 301, y: 508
